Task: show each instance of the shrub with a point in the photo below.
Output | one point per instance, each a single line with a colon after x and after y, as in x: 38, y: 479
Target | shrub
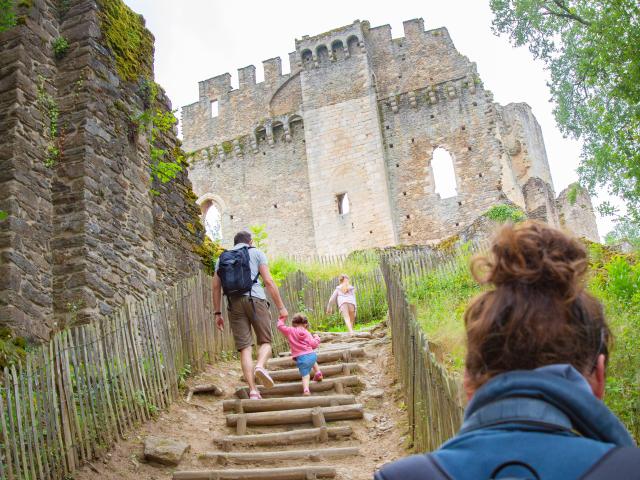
x: 503, y: 213
x: 60, y: 47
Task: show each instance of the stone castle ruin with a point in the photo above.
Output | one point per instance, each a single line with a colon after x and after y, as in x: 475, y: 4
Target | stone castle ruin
x: 338, y: 155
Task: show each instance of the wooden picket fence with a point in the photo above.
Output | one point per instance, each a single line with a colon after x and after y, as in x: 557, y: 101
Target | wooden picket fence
x: 76, y: 396
x: 433, y: 399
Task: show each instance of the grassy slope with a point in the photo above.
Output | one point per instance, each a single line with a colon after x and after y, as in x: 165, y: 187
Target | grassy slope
x: 442, y: 297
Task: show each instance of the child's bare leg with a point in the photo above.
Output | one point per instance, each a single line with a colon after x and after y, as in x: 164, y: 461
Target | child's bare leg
x: 305, y: 384
x: 347, y: 318
x: 316, y: 368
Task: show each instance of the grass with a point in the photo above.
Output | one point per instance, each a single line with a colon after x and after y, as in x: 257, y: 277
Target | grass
x: 441, y: 299
x: 357, y: 263
x: 360, y: 266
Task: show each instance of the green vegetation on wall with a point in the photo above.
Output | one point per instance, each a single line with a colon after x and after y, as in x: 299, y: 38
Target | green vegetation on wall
x: 126, y: 36
x: 503, y: 213
x: 51, y: 110
x: 7, y: 14
x: 60, y: 47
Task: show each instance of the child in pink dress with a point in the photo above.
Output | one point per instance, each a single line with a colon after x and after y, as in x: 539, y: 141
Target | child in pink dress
x: 302, y: 345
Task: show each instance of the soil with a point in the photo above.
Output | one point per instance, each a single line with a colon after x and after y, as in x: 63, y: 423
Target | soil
x: 381, y: 435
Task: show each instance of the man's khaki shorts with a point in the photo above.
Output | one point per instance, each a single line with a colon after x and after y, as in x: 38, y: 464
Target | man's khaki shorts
x: 242, y: 317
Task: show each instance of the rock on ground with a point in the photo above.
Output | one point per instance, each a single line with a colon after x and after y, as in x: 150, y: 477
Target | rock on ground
x: 164, y: 450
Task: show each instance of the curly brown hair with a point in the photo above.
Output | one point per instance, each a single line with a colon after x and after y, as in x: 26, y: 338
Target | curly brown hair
x: 538, y: 312
x: 299, y: 319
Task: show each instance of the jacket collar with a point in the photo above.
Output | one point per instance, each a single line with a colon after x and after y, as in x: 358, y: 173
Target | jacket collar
x: 555, y: 395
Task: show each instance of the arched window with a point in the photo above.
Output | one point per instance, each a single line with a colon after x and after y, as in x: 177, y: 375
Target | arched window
x: 307, y: 57
x: 322, y: 53
x: 338, y: 49
x: 444, y: 176
x: 213, y: 222
x: 352, y: 45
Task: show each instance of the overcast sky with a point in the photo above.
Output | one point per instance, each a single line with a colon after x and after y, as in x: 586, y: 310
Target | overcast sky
x: 198, y: 39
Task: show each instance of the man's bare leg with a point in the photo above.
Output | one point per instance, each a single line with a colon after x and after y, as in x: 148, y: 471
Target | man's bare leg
x: 246, y: 361
x: 264, y: 354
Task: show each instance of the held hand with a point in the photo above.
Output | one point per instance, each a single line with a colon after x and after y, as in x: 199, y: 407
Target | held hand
x: 220, y: 322
x: 283, y: 313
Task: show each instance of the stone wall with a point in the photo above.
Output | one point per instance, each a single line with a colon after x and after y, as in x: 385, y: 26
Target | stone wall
x: 374, y: 109
x: 84, y: 231
x: 269, y: 186
x: 576, y: 214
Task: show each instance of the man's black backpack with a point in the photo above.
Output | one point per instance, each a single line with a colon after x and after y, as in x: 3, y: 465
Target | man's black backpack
x: 234, y: 270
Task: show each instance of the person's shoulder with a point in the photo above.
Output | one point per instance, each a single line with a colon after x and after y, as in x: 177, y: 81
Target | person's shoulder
x: 259, y: 254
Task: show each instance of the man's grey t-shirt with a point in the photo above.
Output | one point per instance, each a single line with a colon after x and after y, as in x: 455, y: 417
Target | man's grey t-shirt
x: 256, y: 258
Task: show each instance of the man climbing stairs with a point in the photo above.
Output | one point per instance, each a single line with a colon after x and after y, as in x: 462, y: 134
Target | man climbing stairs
x: 287, y: 435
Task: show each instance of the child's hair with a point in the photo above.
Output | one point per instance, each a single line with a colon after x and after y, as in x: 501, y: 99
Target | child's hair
x: 344, y: 287
x: 300, y: 319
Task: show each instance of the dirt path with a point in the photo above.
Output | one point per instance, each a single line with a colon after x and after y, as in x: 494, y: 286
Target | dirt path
x: 378, y: 435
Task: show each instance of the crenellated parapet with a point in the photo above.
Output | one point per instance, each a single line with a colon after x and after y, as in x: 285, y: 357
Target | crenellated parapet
x: 269, y: 133
x: 436, y: 93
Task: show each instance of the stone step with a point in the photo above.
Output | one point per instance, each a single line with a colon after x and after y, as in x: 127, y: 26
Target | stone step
x: 293, y: 388
x: 315, y: 455
x: 286, y: 403
x: 290, y: 437
x: 323, y: 357
x: 317, y: 415
x: 288, y: 473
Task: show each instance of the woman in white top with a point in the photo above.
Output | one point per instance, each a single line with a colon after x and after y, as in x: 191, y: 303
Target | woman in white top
x: 344, y: 296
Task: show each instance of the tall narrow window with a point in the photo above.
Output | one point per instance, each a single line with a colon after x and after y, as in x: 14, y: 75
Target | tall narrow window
x: 444, y: 175
x: 214, y: 108
x: 213, y: 222
x: 343, y: 203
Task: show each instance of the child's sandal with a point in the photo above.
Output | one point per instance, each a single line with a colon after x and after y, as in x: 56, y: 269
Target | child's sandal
x: 306, y: 392
x: 318, y: 377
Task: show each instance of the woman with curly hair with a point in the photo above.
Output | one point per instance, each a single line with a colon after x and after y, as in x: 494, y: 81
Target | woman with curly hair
x: 537, y: 351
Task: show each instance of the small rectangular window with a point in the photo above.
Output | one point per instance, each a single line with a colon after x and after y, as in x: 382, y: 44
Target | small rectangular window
x: 214, y: 108
x: 343, y: 203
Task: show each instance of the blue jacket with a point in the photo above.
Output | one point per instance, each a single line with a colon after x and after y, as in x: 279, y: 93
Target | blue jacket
x: 547, y: 419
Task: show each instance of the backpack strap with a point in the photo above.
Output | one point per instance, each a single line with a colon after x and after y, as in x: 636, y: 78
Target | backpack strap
x: 415, y: 467
x: 619, y: 462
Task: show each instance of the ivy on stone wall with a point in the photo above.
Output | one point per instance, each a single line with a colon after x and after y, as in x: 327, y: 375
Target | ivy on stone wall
x: 126, y: 36
x: 165, y: 165
x: 7, y: 14
x: 50, y: 107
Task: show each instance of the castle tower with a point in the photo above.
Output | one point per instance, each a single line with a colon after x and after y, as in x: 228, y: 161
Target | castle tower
x: 347, y: 175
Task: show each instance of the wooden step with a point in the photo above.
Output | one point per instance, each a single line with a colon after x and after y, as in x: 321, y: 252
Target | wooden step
x: 286, y: 403
x: 345, y: 336
x: 315, y: 455
x: 358, y: 343
x: 282, y: 438
x: 323, y: 357
x: 289, y: 473
x: 292, y: 374
x: 286, y: 389
x: 301, y: 415
x: 327, y: 370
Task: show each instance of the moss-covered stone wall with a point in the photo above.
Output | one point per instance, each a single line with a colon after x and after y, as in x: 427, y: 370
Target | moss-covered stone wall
x: 89, y: 224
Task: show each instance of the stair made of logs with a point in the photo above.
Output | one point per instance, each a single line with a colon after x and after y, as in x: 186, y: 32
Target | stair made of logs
x: 276, y: 429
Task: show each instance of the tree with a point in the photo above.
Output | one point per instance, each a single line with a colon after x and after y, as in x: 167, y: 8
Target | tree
x: 259, y: 235
x: 625, y: 231
x: 592, y: 50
